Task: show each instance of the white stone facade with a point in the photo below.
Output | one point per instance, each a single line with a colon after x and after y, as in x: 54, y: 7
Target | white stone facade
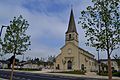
x: 72, y: 57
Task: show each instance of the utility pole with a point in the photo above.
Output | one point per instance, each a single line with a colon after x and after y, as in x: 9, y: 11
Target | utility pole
x: 23, y: 57
x: 98, y: 62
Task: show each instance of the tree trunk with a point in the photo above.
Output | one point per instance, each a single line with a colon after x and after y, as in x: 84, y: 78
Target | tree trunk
x: 109, y: 68
x: 108, y: 53
x: 11, y: 76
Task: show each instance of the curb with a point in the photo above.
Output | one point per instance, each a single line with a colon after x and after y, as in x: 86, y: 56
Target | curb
x: 3, y: 79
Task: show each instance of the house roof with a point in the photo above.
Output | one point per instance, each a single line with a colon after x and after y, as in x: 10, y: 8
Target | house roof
x: 86, y: 51
x: 79, y: 48
x: 106, y: 59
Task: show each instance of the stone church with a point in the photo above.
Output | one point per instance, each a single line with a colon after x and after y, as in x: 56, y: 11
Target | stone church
x: 72, y: 57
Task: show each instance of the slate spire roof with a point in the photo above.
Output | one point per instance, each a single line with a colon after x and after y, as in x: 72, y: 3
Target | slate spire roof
x: 71, y: 26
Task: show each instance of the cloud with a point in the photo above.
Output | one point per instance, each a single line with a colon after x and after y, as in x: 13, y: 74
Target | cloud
x: 48, y: 21
x: 41, y: 25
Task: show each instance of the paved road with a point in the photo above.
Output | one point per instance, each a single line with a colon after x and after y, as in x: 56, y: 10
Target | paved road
x: 33, y: 76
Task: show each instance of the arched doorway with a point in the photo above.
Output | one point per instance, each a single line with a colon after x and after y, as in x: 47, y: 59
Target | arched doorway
x: 82, y: 67
x: 58, y: 66
x: 69, y: 64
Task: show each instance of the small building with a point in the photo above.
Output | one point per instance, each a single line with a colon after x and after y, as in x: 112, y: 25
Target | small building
x: 113, y: 64
x: 73, y: 57
x: 3, y: 64
x: 28, y: 64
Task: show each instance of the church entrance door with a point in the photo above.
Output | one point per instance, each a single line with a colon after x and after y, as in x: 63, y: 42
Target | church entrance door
x: 69, y: 64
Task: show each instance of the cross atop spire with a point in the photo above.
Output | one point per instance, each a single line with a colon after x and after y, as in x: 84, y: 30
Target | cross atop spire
x: 71, y: 26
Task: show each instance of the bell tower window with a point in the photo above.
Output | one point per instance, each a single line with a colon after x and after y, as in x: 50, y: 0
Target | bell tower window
x: 71, y: 33
x: 69, y: 36
x: 76, y: 37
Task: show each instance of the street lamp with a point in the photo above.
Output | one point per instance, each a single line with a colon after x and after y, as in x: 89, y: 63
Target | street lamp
x: 2, y: 29
x: 0, y: 37
x: 1, y: 33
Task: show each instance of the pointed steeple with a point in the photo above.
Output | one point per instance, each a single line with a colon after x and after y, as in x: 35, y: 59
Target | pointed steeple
x: 71, y: 26
x: 71, y: 34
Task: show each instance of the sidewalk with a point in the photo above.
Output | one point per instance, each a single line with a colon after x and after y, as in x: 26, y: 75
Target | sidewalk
x: 88, y: 76
x: 70, y: 75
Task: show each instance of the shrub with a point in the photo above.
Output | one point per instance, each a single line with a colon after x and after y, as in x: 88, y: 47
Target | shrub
x: 103, y: 73
x: 116, y: 74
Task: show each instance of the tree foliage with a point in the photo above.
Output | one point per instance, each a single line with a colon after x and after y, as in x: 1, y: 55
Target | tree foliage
x: 16, y: 40
x: 51, y: 60
x: 102, y: 24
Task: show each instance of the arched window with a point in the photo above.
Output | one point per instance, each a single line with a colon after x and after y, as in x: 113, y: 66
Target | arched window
x: 58, y: 67
x: 76, y: 36
x: 82, y: 67
x: 69, y: 36
x: 69, y: 64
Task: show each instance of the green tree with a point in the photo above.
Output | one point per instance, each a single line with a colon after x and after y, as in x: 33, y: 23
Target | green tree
x: 51, y: 60
x: 102, y: 26
x: 117, y: 59
x: 16, y: 41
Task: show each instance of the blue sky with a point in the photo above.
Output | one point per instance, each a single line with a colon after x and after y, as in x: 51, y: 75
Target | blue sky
x: 48, y: 21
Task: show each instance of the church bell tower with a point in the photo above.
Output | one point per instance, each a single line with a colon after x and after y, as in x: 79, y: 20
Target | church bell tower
x: 71, y: 34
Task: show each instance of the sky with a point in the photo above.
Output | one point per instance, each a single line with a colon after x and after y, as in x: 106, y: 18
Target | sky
x: 48, y: 21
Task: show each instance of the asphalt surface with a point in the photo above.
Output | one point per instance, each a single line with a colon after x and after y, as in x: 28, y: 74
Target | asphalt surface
x: 34, y: 76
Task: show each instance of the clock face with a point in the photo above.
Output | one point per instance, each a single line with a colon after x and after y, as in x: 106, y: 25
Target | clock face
x: 69, y: 50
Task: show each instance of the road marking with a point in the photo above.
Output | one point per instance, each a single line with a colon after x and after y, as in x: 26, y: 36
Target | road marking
x: 17, y: 77
x: 23, y: 78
